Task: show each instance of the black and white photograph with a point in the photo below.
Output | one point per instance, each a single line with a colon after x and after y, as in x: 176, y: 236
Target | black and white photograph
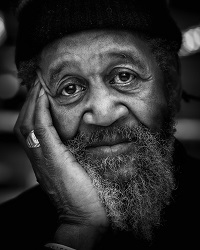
x: 114, y: 162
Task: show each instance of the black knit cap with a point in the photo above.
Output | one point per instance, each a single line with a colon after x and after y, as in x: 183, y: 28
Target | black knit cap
x: 43, y: 21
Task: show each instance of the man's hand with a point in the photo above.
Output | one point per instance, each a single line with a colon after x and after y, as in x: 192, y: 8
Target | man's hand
x: 59, y: 174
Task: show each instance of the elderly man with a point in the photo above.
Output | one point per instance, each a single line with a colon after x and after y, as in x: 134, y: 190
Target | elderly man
x: 98, y: 127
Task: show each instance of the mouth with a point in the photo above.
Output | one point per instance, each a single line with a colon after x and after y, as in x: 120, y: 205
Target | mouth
x: 109, y: 148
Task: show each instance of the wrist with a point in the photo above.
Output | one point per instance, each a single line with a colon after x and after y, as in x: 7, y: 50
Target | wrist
x: 80, y: 236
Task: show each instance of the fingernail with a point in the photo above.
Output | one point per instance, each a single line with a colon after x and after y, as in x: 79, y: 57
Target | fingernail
x: 41, y: 92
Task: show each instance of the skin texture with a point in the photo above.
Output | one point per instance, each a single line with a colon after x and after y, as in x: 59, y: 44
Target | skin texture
x: 88, y: 57
x: 99, y: 97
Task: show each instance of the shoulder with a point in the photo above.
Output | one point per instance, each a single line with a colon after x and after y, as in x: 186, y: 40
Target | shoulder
x: 189, y: 165
x: 184, y: 162
x: 28, y: 218
x: 184, y: 214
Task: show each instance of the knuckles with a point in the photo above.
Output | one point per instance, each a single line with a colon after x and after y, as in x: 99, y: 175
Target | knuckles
x: 22, y: 129
x: 40, y: 132
x: 25, y: 129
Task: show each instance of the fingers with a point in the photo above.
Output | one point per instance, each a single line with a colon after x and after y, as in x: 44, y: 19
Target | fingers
x: 18, y: 128
x: 43, y: 83
x: 28, y: 120
x: 25, y: 121
x: 35, y: 115
x: 44, y: 129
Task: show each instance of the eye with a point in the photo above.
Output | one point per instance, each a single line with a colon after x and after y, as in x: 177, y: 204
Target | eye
x: 72, y: 89
x: 123, y: 77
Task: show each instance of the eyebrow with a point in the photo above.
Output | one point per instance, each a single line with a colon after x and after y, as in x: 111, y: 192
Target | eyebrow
x: 55, y: 70
x: 126, y: 56
x: 130, y: 57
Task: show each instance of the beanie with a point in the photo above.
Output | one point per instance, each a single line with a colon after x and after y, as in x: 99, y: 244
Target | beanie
x: 41, y: 22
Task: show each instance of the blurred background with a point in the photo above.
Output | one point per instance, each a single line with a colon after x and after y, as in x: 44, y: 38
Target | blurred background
x: 15, y: 170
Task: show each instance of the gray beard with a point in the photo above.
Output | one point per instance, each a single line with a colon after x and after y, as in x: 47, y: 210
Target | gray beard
x: 133, y: 187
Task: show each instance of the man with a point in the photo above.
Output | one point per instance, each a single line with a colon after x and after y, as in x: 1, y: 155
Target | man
x: 98, y: 127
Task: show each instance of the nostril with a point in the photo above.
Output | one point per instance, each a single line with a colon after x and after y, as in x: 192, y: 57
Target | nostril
x: 105, y: 117
x: 98, y: 119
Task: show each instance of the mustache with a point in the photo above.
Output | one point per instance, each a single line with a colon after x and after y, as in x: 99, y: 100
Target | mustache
x: 112, y: 135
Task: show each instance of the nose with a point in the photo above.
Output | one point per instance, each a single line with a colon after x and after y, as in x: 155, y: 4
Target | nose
x: 104, y: 108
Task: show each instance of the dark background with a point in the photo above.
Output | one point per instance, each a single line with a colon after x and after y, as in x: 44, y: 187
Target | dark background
x: 15, y: 170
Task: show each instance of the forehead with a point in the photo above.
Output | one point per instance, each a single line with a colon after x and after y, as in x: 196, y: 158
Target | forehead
x: 94, y: 45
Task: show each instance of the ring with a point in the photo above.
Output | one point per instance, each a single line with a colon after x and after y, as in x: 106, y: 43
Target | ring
x: 32, y: 140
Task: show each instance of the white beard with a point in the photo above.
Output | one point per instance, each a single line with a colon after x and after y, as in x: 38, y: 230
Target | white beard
x: 133, y: 187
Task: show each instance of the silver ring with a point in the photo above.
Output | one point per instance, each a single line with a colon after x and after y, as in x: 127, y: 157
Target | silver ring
x: 32, y: 141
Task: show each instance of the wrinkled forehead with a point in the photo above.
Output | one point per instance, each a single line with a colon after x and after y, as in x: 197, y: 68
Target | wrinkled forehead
x: 85, y: 46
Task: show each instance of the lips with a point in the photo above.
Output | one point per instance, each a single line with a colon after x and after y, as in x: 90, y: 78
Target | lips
x: 108, y: 143
x: 106, y: 148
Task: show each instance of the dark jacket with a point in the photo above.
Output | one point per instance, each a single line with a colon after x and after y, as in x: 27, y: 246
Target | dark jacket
x: 29, y: 221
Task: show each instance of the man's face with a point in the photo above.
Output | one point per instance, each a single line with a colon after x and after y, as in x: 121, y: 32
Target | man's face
x: 100, y: 79
x: 109, y: 104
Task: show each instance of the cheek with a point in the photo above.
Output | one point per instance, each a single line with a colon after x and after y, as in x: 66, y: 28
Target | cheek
x: 65, y: 120
x: 152, y: 114
x: 151, y: 108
